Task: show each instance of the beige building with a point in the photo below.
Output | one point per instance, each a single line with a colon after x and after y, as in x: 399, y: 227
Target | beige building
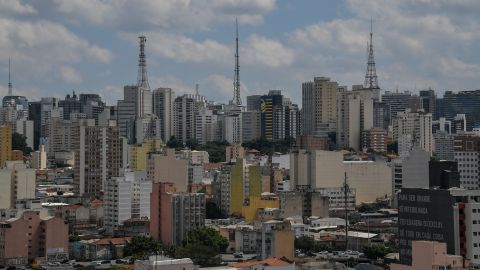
x: 319, y: 104
x: 417, y: 126
x: 432, y: 255
x: 39, y: 158
x: 326, y: 169
x: 166, y: 167
x: 17, y: 182
x: 233, y: 152
x: 355, y: 114
x: 98, y: 156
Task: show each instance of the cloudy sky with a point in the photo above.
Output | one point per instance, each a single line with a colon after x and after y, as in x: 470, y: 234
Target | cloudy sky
x: 92, y: 45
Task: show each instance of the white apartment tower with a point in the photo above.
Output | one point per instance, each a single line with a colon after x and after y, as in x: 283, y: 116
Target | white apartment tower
x: 163, y: 109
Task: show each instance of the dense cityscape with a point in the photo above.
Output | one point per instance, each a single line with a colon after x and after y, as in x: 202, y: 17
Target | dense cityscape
x: 354, y: 177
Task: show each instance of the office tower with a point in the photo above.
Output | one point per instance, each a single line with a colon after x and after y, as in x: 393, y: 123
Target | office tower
x: 444, y: 215
x: 31, y: 237
x: 139, y: 153
x: 459, y: 124
x: 144, y: 128
x: 206, y: 126
x: 467, y: 154
x: 39, y: 158
x: 34, y: 114
x: 163, y: 108
x: 443, y: 145
x: 428, y: 100
x: 232, y: 126
x: 400, y: 102
x: 381, y: 115
x: 173, y: 215
x: 166, y: 166
x: 92, y: 106
x: 5, y: 143
x: 355, y: 114
x: 463, y: 102
x: 184, y: 118
x: 25, y: 127
x: 251, y: 125
x: 18, y: 183
x: 71, y: 104
x: 414, y: 127
x: 374, y: 139
x: 254, y: 102
x: 126, y: 197
x: 319, y: 105
x: 98, y: 156
x: 49, y: 109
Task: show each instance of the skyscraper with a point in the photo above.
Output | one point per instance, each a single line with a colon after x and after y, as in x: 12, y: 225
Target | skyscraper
x: 163, y: 108
x: 319, y: 105
x: 5, y: 143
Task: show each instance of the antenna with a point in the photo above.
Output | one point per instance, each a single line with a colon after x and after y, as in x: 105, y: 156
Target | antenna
x: 196, y: 89
x: 142, y: 79
x: 371, y: 80
x: 10, y: 87
x: 236, y: 81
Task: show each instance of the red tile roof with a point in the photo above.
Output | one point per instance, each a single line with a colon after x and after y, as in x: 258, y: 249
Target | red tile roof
x: 114, y: 241
x: 267, y: 262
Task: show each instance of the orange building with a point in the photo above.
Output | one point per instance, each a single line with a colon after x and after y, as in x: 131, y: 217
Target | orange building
x: 5, y: 143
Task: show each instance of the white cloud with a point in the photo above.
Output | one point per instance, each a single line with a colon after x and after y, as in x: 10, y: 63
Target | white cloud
x: 267, y: 52
x: 70, y: 75
x: 9, y: 7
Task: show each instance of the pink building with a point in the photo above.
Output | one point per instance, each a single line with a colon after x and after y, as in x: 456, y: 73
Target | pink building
x: 32, y: 238
x: 173, y: 214
x: 432, y: 255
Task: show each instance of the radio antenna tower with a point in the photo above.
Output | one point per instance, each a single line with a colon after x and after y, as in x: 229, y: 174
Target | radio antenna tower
x: 10, y: 86
x: 236, y: 81
x: 371, y: 80
x: 142, y: 79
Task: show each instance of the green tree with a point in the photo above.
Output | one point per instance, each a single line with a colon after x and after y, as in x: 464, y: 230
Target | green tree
x: 19, y: 142
x: 216, y: 150
x: 174, y: 143
x: 392, y: 147
x: 376, y: 251
x: 73, y: 238
x: 203, y: 246
x: 304, y: 243
x: 192, y: 143
x: 140, y: 247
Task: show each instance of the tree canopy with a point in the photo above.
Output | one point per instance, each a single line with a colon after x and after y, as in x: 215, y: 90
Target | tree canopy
x: 203, y: 246
x: 376, y: 251
x: 267, y: 147
x: 19, y: 142
x: 140, y: 247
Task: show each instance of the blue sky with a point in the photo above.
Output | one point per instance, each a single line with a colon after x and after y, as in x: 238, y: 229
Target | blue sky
x: 92, y: 45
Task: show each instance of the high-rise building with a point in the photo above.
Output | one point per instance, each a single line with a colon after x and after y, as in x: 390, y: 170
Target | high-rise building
x: 467, y: 154
x: 32, y: 237
x: 444, y: 215
x: 185, y: 109
x: 163, y: 108
x: 429, y: 101
x: 139, y: 153
x: 71, y: 104
x: 49, y: 109
x: 173, y: 214
x: 18, y: 183
x: 34, y: 114
x: 168, y: 167
x: 5, y: 143
x: 206, y: 126
x: 459, y: 124
x: 443, y: 145
x: 126, y: 197
x: 39, y: 158
x: 374, y: 139
x: 319, y: 105
x: 463, y: 102
x: 25, y: 127
x: 400, y: 102
x: 232, y: 125
x: 417, y: 126
x: 355, y: 114
x: 251, y: 125
x: 99, y: 155
x: 381, y: 115
x: 253, y: 102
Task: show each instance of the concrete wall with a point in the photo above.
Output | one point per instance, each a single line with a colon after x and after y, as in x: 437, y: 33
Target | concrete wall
x: 166, y: 168
x: 370, y: 179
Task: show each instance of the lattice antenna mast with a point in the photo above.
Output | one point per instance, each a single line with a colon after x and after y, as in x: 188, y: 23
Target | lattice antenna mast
x: 371, y: 80
x: 236, y: 80
x: 142, y: 79
x: 10, y: 86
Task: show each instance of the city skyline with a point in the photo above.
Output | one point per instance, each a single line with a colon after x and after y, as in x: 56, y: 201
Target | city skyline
x: 57, y: 46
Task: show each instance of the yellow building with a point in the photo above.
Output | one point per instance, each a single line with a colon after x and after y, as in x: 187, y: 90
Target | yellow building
x: 5, y: 143
x: 17, y: 155
x: 250, y: 211
x: 236, y: 188
x: 138, y: 153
